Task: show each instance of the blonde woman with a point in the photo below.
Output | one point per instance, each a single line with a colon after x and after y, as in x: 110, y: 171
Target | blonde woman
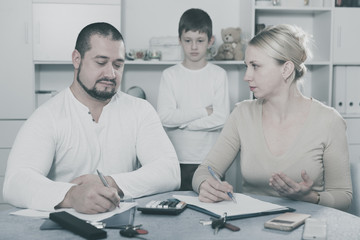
x: 291, y: 146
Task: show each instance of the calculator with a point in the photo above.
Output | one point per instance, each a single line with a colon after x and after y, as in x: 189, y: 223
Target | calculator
x: 170, y: 206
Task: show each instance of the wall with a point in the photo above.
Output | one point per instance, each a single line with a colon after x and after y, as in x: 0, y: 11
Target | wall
x: 143, y: 19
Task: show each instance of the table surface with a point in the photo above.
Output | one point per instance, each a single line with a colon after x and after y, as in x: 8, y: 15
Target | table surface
x: 340, y: 225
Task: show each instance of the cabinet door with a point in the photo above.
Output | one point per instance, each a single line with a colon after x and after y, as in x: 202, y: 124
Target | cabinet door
x: 4, y: 153
x: 353, y: 130
x: 8, y: 132
x: 340, y: 89
x: 352, y: 90
x: 346, y: 36
x: 17, y: 73
x: 355, y: 177
x: 57, y: 25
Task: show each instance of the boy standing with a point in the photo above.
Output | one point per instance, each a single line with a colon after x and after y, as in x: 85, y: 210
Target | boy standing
x: 193, y: 102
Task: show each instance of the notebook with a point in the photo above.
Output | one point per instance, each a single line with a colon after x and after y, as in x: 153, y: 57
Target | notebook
x: 245, y: 207
x: 116, y: 221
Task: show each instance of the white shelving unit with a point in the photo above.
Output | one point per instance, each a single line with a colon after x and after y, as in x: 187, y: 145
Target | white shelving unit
x: 17, y: 81
x: 317, y: 22
x: 333, y: 72
x: 346, y: 100
x: 145, y: 74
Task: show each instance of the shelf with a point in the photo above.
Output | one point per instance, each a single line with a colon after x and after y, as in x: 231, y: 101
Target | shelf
x: 52, y: 62
x: 346, y: 63
x: 351, y: 116
x: 305, y: 9
x: 108, y: 2
x: 317, y: 63
x: 141, y: 62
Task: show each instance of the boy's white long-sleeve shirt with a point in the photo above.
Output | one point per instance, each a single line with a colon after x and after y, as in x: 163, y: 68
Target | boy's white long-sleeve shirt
x: 60, y: 142
x: 183, y: 97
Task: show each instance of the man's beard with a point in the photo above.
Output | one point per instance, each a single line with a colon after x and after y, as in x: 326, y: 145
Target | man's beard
x: 95, y: 93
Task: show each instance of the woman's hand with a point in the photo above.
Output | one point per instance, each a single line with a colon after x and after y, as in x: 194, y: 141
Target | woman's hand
x: 287, y: 187
x: 213, y: 191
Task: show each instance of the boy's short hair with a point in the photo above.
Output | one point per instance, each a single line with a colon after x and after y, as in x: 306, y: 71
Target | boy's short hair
x: 195, y: 19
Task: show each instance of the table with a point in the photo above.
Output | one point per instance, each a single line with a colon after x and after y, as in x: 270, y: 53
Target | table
x: 340, y: 225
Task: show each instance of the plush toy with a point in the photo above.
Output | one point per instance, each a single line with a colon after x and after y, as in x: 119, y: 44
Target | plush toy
x: 225, y: 52
x: 231, y: 49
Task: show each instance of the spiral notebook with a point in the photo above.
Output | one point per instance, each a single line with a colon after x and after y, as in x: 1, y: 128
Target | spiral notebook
x: 245, y: 207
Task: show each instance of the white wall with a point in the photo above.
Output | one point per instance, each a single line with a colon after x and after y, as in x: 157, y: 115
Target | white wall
x: 144, y: 19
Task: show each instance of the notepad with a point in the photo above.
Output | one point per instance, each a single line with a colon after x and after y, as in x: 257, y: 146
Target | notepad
x: 124, y: 206
x: 245, y: 207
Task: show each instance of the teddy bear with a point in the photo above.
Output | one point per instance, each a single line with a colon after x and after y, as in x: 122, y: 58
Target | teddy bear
x: 225, y: 52
x: 231, y: 48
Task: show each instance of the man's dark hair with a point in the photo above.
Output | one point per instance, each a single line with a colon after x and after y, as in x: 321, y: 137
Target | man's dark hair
x: 195, y: 19
x: 99, y: 28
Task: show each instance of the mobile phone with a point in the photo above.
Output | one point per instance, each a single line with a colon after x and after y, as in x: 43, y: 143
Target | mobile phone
x: 287, y: 221
x: 314, y: 229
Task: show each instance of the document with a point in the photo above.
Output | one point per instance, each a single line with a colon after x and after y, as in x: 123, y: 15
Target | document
x: 87, y: 217
x: 245, y: 207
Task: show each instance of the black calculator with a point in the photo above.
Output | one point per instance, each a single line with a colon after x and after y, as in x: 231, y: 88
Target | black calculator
x: 170, y: 206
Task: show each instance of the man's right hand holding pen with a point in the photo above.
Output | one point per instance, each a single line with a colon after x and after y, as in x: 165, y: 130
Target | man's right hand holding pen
x: 90, y: 196
x: 215, y: 190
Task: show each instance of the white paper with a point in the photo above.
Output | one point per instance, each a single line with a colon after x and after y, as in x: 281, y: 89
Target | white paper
x: 88, y: 217
x: 244, y: 205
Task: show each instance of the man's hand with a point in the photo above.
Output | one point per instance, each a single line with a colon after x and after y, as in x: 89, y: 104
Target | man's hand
x: 287, y: 187
x: 213, y: 191
x: 90, y: 196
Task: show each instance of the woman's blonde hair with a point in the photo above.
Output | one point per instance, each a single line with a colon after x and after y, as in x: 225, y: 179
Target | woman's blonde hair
x: 285, y: 43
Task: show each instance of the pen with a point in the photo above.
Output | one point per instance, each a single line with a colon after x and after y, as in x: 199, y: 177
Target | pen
x: 103, y: 179
x: 218, y: 179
